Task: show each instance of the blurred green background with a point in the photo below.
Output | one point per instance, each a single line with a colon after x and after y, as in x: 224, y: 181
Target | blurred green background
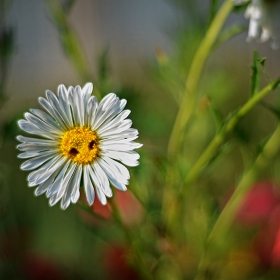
x: 142, y: 51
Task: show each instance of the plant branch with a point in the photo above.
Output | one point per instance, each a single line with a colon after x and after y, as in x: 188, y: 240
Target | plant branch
x: 187, y: 107
x: 213, y: 146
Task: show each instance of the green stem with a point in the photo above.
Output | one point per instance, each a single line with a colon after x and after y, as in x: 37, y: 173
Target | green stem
x: 138, y: 262
x: 120, y: 222
x: 226, y: 217
x: 213, y: 146
x: 228, y: 214
x: 70, y: 41
x: 188, y: 104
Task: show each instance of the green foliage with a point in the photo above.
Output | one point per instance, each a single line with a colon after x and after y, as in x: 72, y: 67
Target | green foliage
x: 7, y: 44
x: 189, y: 198
x: 241, y: 8
x: 255, y: 76
x: 69, y: 38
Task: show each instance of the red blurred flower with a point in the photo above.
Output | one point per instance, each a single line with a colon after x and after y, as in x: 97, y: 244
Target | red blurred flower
x: 104, y: 211
x: 38, y: 267
x: 275, y: 254
x: 100, y: 211
x: 116, y: 263
x: 267, y: 241
x: 262, y: 198
x: 131, y: 210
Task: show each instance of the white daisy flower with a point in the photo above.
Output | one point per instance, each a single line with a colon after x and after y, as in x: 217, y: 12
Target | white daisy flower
x: 78, y: 142
x: 264, y: 18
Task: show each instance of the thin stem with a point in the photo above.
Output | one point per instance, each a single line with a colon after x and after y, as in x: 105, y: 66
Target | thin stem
x: 70, y: 41
x: 213, y: 146
x: 188, y: 104
x: 140, y: 265
x: 226, y: 217
x: 118, y: 219
x: 228, y: 214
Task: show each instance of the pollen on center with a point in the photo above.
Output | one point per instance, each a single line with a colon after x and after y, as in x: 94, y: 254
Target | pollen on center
x: 80, y: 144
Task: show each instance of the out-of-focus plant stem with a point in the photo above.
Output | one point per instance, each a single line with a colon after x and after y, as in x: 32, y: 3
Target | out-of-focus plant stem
x: 6, y: 48
x: 138, y: 262
x: 228, y: 214
x: 213, y: 146
x: 226, y: 217
x: 70, y: 41
x: 188, y: 103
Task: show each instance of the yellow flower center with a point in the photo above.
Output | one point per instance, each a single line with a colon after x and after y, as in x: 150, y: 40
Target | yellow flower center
x: 80, y: 144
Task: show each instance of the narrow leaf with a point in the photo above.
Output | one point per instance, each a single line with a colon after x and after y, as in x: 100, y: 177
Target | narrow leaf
x: 255, y: 75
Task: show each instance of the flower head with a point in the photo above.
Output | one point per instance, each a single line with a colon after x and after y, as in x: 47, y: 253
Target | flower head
x: 258, y: 203
x: 80, y: 142
x: 264, y: 19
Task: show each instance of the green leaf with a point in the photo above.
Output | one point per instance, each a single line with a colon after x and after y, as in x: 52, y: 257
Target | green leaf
x: 241, y: 134
x: 7, y: 44
x: 69, y: 38
x: 103, y: 65
x: 240, y: 8
x: 255, y: 75
x: 216, y: 115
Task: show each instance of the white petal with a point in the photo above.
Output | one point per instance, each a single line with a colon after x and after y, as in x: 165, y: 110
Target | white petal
x: 44, y: 103
x: 88, y: 186
x: 86, y: 91
x: 78, y: 98
x: 91, y: 110
x: 30, y: 154
x: 44, y: 186
x: 103, y: 179
x: 66, y: 181
x: 37, y: 161
x: 108, y: 124
x: 101, y: 196
x: 74, y: 181
x: 34, y: 140
x: 46, y: 118
x: 120, y: 140
x: 34, y: 146
x: 107, y: 99
x: 33, y: 129
x: 122, y: 103
x: 63, y: 97
x: 53, y: 189
x: 57, y: 107
x: 75, y: 195
x: 117, y: 180
x: 32, y: 177
x: 121, y: 147
x: 111, y: 131
x: 56, y: 166
x: 107, y: 114
x: 117, y: 167
x: 100, y: 113
x: 41, y: 124
x: 75, y: 104
x: 130, y: 156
